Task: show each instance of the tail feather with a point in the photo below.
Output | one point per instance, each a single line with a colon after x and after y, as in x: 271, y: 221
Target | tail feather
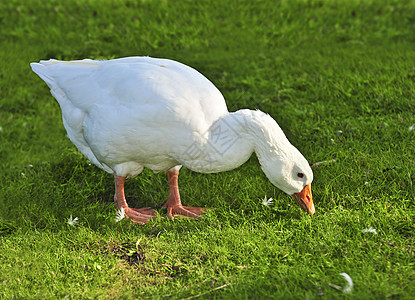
x: 70, y: 81
x: 41, y: 70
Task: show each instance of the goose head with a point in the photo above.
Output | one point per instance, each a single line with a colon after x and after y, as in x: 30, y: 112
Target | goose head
x: 282, y: 163
x: 291, y: 174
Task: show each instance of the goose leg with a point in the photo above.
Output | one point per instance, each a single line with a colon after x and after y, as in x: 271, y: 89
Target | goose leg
x: 141, y: 215
x: 174, y: 205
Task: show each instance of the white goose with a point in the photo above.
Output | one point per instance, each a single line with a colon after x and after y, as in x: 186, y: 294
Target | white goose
x: 133, y: 113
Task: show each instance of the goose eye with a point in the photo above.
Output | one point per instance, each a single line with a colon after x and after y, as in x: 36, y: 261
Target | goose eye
x: 301, y: 175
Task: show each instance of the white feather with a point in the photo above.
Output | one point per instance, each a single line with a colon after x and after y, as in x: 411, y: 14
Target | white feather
x: 349, y: 286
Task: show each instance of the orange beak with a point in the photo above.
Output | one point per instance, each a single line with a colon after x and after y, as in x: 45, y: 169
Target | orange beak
x: 305, y: 199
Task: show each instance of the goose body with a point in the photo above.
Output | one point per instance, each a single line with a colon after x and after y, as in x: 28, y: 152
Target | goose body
x: 139, y: 112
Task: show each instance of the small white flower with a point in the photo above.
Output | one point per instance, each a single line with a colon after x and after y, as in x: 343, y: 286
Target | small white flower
x: 370, y: 229
x: 72, y: 221
x: 412, y: 127
x: 349, y: 286
x: 267, y: 202
x: 120, y: 214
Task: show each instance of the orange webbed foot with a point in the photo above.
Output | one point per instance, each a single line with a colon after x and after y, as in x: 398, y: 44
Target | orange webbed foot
x: 139, y: 215
x: 184, y: 211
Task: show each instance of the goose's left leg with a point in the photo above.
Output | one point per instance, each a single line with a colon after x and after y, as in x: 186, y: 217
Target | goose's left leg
x: 174, y: 205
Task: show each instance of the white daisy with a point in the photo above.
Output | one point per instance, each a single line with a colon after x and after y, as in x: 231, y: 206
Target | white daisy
x: 72, y: 221
x: 267, y: 202
x: 120, y: 214
x: 370, y: 229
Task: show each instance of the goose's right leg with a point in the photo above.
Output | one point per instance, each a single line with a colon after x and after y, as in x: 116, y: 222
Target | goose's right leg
x: 174, y: 205
x: 141, y: 215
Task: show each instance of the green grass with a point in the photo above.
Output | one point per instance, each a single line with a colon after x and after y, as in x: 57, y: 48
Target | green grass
x: 338, y: 76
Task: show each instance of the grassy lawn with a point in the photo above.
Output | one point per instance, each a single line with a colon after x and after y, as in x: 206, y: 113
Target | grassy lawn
x: 339, y: 78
